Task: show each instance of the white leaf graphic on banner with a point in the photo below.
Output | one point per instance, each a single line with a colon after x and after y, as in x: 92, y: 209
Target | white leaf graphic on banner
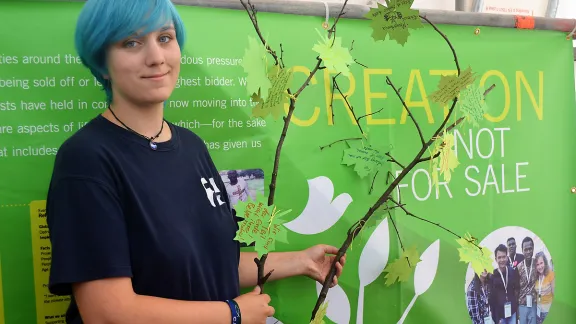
x: 373, y: 260
x: 321, y: 211
x: 338, y: 310
x: 424, y: 274
x: 272, y: 320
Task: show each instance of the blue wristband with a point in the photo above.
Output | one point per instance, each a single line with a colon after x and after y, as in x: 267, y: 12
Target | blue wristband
x: 236, y: 316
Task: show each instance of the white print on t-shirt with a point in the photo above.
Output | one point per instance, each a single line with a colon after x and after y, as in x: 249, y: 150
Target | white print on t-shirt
x: 212, y: 191
x: 238, y: 191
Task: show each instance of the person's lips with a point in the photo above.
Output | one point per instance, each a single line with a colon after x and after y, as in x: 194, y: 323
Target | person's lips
x: 156, y: 76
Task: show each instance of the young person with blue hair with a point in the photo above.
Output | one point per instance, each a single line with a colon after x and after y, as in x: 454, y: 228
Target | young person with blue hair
x: 141, y: 228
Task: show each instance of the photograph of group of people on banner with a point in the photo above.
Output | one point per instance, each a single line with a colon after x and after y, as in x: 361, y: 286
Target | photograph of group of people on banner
x: 520, y: 289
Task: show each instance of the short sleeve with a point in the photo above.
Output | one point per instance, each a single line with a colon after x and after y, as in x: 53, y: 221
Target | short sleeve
x: 87, y: 233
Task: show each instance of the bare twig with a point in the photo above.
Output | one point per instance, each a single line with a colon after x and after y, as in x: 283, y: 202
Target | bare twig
x: 340, y: 140
x: 398, y: 235
x: 282, y: 56
x: 373, y: 180
x: 389, y: 82
x: 393, y: 160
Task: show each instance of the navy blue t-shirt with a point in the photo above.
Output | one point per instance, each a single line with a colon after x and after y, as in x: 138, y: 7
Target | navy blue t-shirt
x: 117, y: 208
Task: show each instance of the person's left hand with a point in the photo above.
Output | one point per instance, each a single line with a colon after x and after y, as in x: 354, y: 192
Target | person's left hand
x: 318, y: 261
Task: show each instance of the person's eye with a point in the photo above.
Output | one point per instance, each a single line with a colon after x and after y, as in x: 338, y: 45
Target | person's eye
x: 129, y: 44
x: 165, y: 38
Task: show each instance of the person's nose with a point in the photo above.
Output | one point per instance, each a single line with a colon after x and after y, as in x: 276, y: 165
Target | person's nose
x: 155, y: 54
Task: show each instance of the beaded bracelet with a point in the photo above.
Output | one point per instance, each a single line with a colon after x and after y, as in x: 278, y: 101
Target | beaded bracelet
x: 236, y: 316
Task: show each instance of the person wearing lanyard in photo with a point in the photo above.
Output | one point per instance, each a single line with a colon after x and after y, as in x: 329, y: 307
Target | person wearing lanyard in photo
x: 527, y: 273
x: 477, y: 299
x: 504, y: 289
x: 513, y: 258
x: 544, y: 286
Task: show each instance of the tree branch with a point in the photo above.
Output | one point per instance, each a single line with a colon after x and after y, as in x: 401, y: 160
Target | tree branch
x: 252, y: 14
x: 386, y: 195
x: 389, y: 82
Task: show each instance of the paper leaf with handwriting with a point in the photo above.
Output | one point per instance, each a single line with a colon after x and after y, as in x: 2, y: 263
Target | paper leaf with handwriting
x: 320, y: 314
x: 255, y: 64
x: 479, y: 259
x: 274, y: 103
x: 402, y: 267
x: 447, y: 160
x: 473, y: 105
x: 366, y: 159
x: 394, y: 20
x: 450, y: 86
x: 261, y: 224
x: 335, y: 57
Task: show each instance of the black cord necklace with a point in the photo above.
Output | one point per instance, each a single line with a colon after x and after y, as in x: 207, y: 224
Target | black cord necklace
x: 153, y: 144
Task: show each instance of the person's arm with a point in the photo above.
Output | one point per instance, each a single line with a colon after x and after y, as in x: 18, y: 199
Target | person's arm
x: 285, y: 264
x: 112, y: 301
x: 314, y: 262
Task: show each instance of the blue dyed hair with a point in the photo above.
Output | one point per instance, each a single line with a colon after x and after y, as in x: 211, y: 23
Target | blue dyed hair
x: 105, y: 22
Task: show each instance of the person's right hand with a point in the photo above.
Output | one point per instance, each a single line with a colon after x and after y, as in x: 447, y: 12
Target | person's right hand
x: 254, y: 307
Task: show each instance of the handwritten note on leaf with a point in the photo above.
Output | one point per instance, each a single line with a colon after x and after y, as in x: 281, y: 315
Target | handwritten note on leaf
x: 335, y: 57
x: 473, y: 105
x: 480, y: 258
x: 255, y: 64
x: 402, y: 267
x: 447, y: 160
x: 366, y: 159
x: 274, y: 103
x: 451, y: 85
x: 394, y: 20
x: 261, y: 224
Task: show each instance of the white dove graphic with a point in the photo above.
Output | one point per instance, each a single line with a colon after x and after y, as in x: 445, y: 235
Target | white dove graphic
x: 321, y: 211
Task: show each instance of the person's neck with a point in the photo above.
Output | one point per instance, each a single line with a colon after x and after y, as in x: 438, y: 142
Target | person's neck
x: 145, y: 120
x: 528, y: 261
x: 502, y: 269
x: 512, y: 255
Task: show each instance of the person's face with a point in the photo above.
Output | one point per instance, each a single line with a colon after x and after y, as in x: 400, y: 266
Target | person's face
x: 144, y: 69
x: 501, y: 258
x: 540, y: 265
x: 233, y: 177
x: 484, y: 274
x: 511, y: 247
x: 528, y: 249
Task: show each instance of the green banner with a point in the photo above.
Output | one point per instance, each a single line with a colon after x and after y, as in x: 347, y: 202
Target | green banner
x: 514, y: 176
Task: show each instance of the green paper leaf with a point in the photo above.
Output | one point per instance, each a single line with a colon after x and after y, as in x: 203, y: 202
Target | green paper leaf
x: 367, y: 159
x: 473, y: 105
x: 255, y: 64
x: 450, y: 86
x: 261, y: 224
x: 280, y: 80
x: 394, y: 20
x: 480, y: 259
x: 320, y: 314
x: 402, y: 267
x: 334, y: 56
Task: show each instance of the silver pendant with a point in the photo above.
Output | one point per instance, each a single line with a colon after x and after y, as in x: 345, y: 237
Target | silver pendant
x: 153, y: 145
